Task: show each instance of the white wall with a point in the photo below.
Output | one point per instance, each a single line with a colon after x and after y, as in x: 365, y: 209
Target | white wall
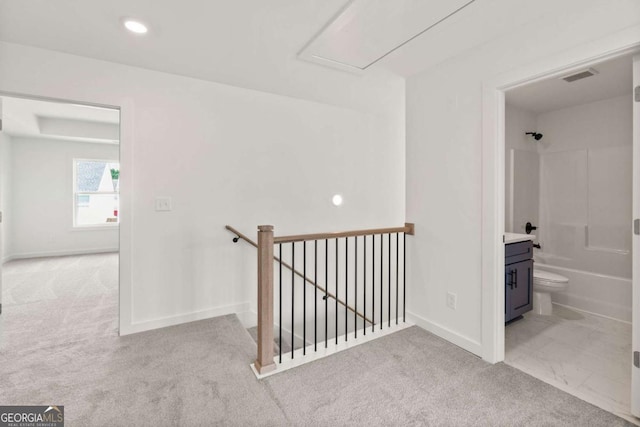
x: 228, y: 155
x: 42, y: 205
x: 586, y: 186
x: 444, y: 158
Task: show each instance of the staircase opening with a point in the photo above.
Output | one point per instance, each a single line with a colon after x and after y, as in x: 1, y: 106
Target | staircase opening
x: 323, y: 293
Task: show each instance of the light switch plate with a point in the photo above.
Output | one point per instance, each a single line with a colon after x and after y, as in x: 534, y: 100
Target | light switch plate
x: 452, y: 300
x: 163, y: 204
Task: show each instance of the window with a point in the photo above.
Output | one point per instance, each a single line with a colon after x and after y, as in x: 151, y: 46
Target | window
x: 95, y: 192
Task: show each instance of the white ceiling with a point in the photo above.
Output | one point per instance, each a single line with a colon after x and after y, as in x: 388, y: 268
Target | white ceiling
x: 251, y: 42
x: 55, y: 120
x: 247, y: 43
x: 614, y: 78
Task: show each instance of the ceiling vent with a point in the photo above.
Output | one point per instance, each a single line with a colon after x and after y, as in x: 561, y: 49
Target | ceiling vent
x: 580, y: 75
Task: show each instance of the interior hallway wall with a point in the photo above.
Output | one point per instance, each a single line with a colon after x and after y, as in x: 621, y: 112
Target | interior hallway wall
x: 444, y: 157
x: 229, y: 155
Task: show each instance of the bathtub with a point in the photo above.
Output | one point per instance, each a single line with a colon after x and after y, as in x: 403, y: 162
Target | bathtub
x: 608, y: 296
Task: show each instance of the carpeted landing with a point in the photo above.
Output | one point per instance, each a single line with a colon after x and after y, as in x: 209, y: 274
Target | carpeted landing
x: 54, y: 300
x: 198, y: 374
x: 59, y: 345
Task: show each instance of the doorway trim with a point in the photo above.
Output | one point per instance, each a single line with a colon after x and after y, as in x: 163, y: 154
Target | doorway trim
x: 125, y: 106
x: 616, y: 45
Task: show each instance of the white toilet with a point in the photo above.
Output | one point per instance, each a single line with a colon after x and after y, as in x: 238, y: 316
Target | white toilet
x: 544, y: 283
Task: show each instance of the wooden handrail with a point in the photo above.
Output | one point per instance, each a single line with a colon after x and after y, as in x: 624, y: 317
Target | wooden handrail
x: 407, y: 229
x: 299, y: 274
x: 241, y: 236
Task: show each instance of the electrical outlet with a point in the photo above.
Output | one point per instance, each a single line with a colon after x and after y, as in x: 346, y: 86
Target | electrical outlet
x: 163, y: 204
x: 452, y: 300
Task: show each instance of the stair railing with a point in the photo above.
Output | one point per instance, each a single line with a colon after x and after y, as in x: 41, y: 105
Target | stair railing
x: 240, y: 236
x: 323, y: 243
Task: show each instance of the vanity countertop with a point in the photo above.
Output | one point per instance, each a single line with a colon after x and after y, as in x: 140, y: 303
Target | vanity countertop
x: 515, y: 237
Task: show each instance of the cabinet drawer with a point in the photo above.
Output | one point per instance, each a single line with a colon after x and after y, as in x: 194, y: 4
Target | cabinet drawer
x: 516, y: 252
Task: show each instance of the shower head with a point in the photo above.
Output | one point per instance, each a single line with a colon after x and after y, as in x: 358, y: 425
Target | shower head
x: 537, y: 136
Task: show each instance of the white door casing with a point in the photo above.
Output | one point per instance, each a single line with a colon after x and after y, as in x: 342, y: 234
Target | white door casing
x: 635, y: 357
x: 1, y: 213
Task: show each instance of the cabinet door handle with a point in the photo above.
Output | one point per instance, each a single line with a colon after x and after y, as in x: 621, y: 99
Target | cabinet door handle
x: 510, y: 284
x: 515, y: 278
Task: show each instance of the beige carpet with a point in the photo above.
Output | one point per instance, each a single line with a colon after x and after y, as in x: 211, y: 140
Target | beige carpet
x: 198, y: 374
x: 56, y: 300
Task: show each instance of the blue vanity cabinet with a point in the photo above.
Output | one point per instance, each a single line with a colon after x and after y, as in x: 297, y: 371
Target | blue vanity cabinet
x: 518, y: 279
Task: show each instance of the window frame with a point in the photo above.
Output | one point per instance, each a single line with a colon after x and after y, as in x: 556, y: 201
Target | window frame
x: 76, y: 193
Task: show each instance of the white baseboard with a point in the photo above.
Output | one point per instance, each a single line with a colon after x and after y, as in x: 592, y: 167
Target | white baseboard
x: 44, y: 254
x: 590, y: 312
x: 460, y: 340
x: 299, y: 358
x: 149, y: 325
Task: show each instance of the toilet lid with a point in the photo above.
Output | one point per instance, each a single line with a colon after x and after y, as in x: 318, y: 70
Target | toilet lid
x: 548, y: 276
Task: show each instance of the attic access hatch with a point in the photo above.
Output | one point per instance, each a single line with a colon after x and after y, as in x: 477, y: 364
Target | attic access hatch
x: 365, y: 31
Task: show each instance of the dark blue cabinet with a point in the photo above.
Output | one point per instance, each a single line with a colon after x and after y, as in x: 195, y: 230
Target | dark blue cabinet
x: 518, y: 279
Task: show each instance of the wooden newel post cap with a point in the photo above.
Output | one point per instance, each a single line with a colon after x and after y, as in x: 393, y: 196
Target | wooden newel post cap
x: 265, y: 228
x: 411, y: 228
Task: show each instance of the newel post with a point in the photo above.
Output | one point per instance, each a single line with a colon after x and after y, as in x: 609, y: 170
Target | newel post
x: 264, y: 363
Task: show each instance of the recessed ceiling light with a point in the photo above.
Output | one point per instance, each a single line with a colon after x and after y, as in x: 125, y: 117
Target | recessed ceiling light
x: 337, y: 200
x: 135, y: 26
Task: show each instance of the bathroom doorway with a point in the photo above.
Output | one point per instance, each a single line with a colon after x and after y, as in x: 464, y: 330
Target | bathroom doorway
x: 569, y: 190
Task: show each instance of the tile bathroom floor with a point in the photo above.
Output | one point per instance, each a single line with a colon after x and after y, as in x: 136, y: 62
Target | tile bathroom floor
x: 580, y: 353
